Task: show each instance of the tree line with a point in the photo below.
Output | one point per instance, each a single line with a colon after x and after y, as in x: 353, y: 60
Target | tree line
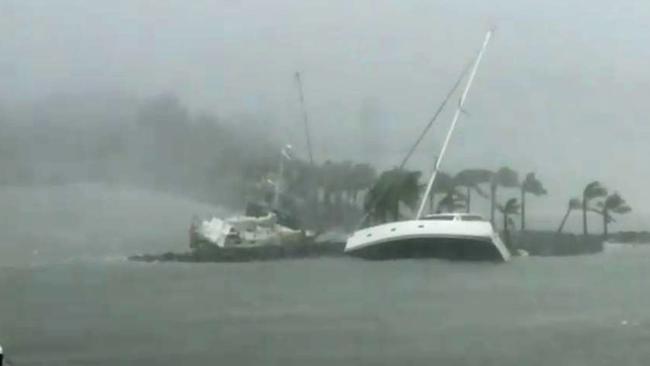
x: 453, y: 193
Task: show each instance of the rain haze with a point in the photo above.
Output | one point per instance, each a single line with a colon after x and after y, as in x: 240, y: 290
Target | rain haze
x: 145, y: 143
x: 561, y: 92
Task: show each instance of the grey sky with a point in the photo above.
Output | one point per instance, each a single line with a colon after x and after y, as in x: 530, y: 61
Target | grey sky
x: 562, y: 91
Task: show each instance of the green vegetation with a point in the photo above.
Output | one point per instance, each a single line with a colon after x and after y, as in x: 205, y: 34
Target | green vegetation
x: 595, y: 199
x: 504, y: 177
x: 452, y: 193
x: 533, y: 186
x: 613, y: 204
x: 510, y: 208
x: 471, y: 179
x: 455, y: 191
x: 574, y: 204
x: 392, y: 187
x: 592, y: 191
x: 452, y: 198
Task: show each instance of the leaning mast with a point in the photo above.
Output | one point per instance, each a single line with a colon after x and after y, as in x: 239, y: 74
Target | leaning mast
x: 305, y: 118
x: 459, y: 109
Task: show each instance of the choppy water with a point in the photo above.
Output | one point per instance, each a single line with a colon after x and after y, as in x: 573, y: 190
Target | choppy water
x: 99, y: 310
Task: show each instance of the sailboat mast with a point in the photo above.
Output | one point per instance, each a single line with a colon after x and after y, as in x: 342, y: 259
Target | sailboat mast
x: 423, y: 133
x: 305, y: 118
x: 459, y: 109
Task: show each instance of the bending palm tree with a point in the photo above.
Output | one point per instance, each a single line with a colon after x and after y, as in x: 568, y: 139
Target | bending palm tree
x: 391, y: 188
x: 529, y: 185
x: 613, y: 203
x: 452, y: 201
x: 504, y: 177
x: 592, y: 190
x: 574, y: 204
x: 510, y: 208
x: 471, y: 179
x: 444, y: 183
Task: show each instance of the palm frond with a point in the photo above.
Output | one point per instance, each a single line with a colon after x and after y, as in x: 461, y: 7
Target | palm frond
x: 510, y: 208
x: 622, y: 210
x: 594, y: 190
x: 616, y: 204
x: 505, y: 177
x: 532, y: 185
x: 575, y: 204
x: 444, y: 182
x: 452, y: 201
x: 480, y: 191
x: 473, y: 177
x: 595, y: 210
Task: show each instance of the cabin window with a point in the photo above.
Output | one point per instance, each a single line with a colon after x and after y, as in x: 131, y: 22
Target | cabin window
x: 471, y: 218
x: 440, y: 218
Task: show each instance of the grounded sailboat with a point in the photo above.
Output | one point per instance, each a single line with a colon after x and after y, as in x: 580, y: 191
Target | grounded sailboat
x: 449, y: 236
x: 265, y: 225
x: 261, y: 226
x: 452, y: 236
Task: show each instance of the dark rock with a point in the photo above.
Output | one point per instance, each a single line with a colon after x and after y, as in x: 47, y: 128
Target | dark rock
x: 215, y: 254
x: 549, y: 243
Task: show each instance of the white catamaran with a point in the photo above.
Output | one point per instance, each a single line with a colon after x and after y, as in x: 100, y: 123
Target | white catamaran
x: 449, y: 236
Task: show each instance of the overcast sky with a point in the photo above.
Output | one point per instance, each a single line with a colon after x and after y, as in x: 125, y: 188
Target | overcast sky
x: 563, y: 89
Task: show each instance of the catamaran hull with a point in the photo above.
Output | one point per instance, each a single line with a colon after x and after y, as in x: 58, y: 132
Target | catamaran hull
x: 457, y: 240
x: 463, y: 249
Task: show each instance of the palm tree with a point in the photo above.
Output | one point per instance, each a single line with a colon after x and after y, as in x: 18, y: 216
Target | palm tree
x: 443, y: 184
x: 592, y: 190
x: 452, y: 201
x: 533, y: 186
x: 574, y: 204
x: 391, y: 188
x: 510, y: 208
x: 504, y: 177
x: 471, y: 179
x: 613, y: 203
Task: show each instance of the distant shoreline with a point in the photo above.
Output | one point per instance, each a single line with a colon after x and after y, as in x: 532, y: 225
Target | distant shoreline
x: 630, y: 237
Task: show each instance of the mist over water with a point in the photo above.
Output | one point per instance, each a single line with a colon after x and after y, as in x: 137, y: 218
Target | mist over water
x: 72, y: 222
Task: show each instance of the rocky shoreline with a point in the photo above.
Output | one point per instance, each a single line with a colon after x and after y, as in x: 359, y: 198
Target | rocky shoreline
x: 535, y: 243
x: 553, y: 244
x: 266, y: 253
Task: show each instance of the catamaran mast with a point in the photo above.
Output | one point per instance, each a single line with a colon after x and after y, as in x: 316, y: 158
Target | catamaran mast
x: 305, y: 118
x: 459, y: 109
x: 423, y: 133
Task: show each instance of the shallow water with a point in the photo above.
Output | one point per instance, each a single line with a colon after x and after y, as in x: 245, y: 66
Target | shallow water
x: 98, y: 309
x: 573, y: 311
x: 45, y: 225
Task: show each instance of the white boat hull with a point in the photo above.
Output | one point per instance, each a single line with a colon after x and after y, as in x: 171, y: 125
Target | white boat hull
x: 245, y: 232
x: 455, y: 240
